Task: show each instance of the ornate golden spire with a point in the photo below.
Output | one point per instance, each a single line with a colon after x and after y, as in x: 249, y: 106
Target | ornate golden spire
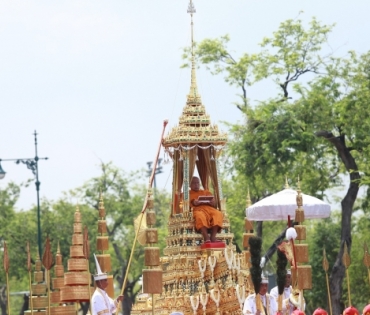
x: 286, y: 182
x: 193, y: 87
x: 194, y: 123
x: 249, y: 201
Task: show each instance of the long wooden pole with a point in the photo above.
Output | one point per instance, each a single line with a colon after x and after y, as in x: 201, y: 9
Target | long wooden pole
x: 30, y: 288
x: 142, y: 212
x: 346, y: 259
x: 329, y: 297
x: 7, y: 292
x: 325, y: 266
x: 49, y: 293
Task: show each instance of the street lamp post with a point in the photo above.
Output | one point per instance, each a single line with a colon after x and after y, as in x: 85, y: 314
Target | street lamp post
x: 32, y: 164
x: 158, y: 170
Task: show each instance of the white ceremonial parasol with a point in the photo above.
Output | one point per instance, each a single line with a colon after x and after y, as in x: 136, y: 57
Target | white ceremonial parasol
x: 278, y: 206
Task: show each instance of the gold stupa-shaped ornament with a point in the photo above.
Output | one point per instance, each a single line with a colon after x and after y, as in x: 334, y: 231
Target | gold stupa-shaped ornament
x: 57, y: 283
x: 76, y: 280
x: 39, y: 291
x: 302, y: 274
x: 102, y: 246
x: 152, y: 275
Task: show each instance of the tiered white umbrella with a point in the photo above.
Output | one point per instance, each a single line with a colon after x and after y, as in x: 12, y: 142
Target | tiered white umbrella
x: 278, y: 206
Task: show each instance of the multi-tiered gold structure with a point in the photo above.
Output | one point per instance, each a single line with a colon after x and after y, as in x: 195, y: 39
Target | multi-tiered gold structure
x: 302, y: 275
x: 102, y: 245
x: 39, y: 291
x: 57, y: 283
x: 197, y: 278
x: 76, y: 281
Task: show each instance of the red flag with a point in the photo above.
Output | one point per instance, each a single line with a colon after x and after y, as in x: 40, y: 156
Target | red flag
x: 47, y: 258
x: 6, y: 259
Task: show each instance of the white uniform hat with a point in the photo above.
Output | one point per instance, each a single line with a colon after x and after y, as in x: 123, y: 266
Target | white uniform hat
x: 99, y: 274
x: 264, y: 280
x: 288, y: 272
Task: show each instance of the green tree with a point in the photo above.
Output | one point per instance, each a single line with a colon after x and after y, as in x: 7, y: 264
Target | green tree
x: 324, y: 235
x: 123, y: 198
x: 321, y: 134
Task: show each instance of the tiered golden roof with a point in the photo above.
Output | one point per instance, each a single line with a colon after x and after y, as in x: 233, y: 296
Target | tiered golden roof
x: 194, y: 124
x: 58, y: 283
x: 102, y: 245
x: 76, y: 280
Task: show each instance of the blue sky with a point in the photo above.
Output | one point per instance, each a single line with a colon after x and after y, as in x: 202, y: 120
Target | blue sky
x: 96, y: 79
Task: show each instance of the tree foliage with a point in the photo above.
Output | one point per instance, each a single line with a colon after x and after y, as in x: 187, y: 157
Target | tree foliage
x: 123, y: 197
x: 321, y: 135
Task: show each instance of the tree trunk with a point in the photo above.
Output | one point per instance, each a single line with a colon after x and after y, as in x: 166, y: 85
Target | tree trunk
x: 259, y: 228
x: 25, y: 305
x: 3, y: 300
x: 338, y: 270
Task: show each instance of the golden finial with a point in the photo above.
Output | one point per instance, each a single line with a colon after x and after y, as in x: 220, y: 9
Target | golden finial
x: 325, y: 263
x: 249, y: 201
x: 193, y: 88
x: 101, y: 205
x: 366, y: 256
x: 38, y: 256
x: 346, y: 259
x: 286, y: 182
x: 101, y: 201
x: 58, y: 249
x: 298, y: 184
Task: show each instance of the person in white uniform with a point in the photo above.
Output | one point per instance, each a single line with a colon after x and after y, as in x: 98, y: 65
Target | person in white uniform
x: 268, y: 302
x: 291, y: 298
x: 101, y: 303
x: 287, y: 308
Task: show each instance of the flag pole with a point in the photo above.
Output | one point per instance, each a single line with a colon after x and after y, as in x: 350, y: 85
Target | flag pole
x: 142, y: 212
x: 346, y: 259
x: 325, y: 265
x: 86, y: 251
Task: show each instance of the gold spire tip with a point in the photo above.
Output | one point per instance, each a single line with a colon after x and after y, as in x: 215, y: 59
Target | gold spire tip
x: 286, y: 182
x: 249, y: 201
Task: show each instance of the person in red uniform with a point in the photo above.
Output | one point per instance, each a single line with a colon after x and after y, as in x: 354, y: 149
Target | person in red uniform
x: 204, y: 212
